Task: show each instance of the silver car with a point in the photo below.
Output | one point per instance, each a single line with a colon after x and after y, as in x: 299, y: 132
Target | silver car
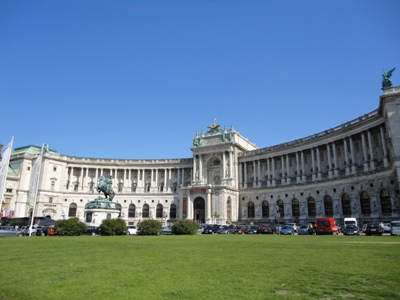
x: 9, y: 231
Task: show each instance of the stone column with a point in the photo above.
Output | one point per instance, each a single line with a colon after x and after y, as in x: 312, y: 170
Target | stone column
x: 371, y: 151
x: 245, y: 174
x: 259, y: 173
x: 319, y: 164
x: 384, y: 148
x: 335, y: 161
x: 364, y: 150
x: 287, y: 170
x: 328, y: 153
x: 268, y: 173
x: 346, y: 156
x: 353, y: 162
x: 314, y: 170
x: 298, y: 177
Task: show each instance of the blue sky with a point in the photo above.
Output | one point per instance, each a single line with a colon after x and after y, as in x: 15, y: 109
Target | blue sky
x: 138, y: 79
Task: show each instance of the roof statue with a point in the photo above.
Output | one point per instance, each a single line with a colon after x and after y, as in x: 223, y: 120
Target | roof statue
x: 214, y: 126
x: 386, y: 82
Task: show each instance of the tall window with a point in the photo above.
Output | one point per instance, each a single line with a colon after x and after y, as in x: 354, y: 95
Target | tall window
x: 295, y: 208
x: 172, y: 211
x: 91, y: 186
x: 53, y: 183
x: 120, y: 187
x: 265, y: 209
x: 346, y: 205
x: 385, y: 202
x: 132, y: 211
x: 119, y: 207
x: 328, y: 206
x: 72, y: 210
x: 159, y: 211
x: 365, y: 203
x: 280, y: 207
x: 311, y: 207
x: 250, y: 210
x: 145, y: 211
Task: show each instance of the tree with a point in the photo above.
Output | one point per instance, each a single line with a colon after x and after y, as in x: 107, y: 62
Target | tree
x: 70, y: 227
x: 150, y: 227
x: 113, y: 227
x: 185, y: 227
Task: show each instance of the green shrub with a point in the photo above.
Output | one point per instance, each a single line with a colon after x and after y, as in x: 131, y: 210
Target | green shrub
x: 185, y: 227
x: 150, y: 227
x: 70, y: 227
x: 113, y: 227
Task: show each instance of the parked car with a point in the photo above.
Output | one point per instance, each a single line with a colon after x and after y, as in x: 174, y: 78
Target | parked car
x: 9, y: 231
x: 225, y: 229
x: 386, y: 227
x: 40, y: 231
x: 166, y: 230
x: 132, y: 230
x: 92, y: 230
x: 373, y: 229
x: 200, y: 230
x: 253, y: 229
x: 49, y: 230
x: 351, y: 230
x: 303, y: 229
x: 326, y: 226
x: 293, y: 225
x: 211, y: 229
x: 287, y: 229
x: 395, y: 228
x: 241, y: 229
x: 29, y: 230
x: 266, y: 229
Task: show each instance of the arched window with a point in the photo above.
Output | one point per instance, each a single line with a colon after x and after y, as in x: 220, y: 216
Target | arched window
x: 385, y: 202
x: 132, y: 211
x: 311, y: 207
x: 280, y: 207
x: 72, y: 210
x: 346, y: 208
x: 159, y: 211
x: 119, y: 207
x: 172, y: 211
x: 328, y: 206
x: 365, y: 203
x: 145, y: 211
x: 250, y: 210
x: 295, y: 208
x: 265, y: 209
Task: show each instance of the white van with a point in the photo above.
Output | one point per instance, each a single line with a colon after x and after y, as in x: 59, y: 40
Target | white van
x: 350, y: 221
x: 395, y: 228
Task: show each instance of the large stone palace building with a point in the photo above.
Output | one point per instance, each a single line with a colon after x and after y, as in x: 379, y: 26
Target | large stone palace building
x: 352, y: 170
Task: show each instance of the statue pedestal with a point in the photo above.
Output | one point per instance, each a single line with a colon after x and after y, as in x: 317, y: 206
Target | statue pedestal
x: 100, y: 209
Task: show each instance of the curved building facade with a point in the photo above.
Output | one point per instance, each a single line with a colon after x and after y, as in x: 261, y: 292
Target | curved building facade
x: 351, y: 170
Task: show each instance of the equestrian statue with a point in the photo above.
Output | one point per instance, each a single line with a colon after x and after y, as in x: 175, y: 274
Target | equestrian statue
x: 105, y: 186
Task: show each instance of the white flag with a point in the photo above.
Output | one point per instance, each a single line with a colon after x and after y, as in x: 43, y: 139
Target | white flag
x: 4, y: 169
x: 35, y: 179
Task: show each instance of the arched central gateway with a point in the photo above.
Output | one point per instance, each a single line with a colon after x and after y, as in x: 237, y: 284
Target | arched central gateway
x: 199, y: 206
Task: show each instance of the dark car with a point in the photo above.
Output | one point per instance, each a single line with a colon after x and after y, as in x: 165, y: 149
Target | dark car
x: 351, y: 230
x: 92, y: 230
x: 267, y: 229
x: 41, y: 231
x: 373, y: 229
x: 303, y: 229
x: 253, y: 229
x: 225, y: 229
x: 211, y: 229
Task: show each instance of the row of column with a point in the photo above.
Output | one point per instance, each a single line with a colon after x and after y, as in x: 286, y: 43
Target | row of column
x: 85, y: 176
x: 368, y: 161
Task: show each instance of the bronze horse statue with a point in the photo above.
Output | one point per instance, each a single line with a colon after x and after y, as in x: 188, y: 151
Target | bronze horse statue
x: 105, y: 187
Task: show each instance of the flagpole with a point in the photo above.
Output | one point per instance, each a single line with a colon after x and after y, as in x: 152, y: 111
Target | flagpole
x: 36, y: 188
x: 4, y: 170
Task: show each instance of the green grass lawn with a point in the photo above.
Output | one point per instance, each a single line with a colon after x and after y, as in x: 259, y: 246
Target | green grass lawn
x: 200, y: 267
